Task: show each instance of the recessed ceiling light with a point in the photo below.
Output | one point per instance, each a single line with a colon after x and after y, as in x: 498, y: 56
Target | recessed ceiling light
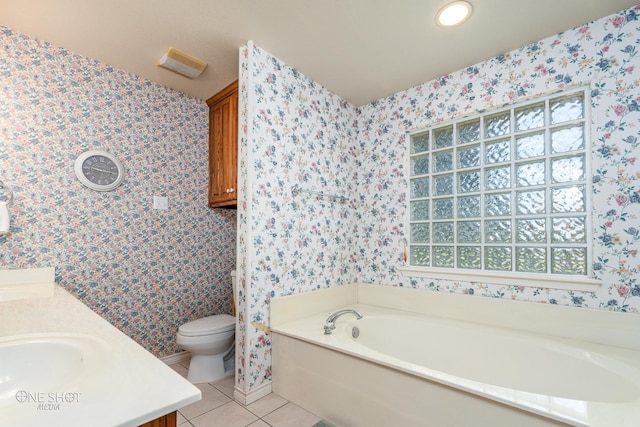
x: 454, y: 13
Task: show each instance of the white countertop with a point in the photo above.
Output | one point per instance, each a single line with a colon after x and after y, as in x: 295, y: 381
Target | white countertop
x: 129, y: 387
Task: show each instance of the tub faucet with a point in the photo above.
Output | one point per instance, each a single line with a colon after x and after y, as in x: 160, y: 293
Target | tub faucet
x: 329, y: 325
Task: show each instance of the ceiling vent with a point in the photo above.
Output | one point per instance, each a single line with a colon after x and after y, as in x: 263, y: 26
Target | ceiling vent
x: 182, y: 63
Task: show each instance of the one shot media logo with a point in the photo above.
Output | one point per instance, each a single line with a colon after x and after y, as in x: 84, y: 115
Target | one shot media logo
x: 49, y: 401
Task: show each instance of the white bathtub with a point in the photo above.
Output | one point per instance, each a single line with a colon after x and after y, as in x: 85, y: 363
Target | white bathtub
x: 409, y: 368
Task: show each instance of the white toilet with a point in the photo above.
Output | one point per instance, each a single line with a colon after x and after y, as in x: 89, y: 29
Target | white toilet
x: 208, y: 340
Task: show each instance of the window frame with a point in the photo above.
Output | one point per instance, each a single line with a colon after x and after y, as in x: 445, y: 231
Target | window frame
x: 576, y: 282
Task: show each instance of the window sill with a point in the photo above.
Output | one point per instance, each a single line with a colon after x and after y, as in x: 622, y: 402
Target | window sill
x: 548, y: 281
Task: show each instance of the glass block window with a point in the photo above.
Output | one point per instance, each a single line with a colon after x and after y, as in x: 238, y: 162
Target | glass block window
x: 504, y: 191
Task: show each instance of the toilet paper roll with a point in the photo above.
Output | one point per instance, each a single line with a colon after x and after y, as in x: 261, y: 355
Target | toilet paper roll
x: 5, y: 218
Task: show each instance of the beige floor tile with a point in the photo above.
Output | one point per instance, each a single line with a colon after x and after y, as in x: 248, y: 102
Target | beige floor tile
x: 226, y: 386
x: 228, y: 415
x: 181, y: 419
x: 211, y: 399
x: 259, y: 423
x: 179, y: 369
x: 267, y: 404
x: 291, y: 415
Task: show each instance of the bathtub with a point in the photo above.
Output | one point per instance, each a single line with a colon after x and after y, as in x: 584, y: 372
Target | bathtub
x: 421, y: 358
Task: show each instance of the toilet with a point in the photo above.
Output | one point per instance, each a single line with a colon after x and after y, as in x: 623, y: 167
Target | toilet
x: 208, y: 340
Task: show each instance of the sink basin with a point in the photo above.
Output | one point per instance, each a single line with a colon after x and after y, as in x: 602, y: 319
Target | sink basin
x: 34, y: 366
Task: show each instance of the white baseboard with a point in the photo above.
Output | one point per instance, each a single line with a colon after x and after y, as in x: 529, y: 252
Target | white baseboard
x: 176, y: 358
x: 247, y: 398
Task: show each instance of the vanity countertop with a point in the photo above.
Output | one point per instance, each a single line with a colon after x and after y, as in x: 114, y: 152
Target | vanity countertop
x: 128, y: 386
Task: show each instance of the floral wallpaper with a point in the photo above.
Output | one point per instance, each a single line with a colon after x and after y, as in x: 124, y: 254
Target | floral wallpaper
x: 146, y: 271
x: 601, y: 55
x: 293, y: 133
x: 297, y: 133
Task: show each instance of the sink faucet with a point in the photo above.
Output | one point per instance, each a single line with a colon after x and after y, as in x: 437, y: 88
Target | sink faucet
x: 329, y: 325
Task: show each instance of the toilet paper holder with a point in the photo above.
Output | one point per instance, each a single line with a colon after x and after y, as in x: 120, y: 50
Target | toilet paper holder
x: 5, y: 218
x: 7, y: 190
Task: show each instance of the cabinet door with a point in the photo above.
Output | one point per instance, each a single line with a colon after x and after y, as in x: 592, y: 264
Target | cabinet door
x: 223, y: 151
x: 169, y: 420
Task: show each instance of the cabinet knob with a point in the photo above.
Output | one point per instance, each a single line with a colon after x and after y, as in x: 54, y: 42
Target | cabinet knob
x: 230, y: 190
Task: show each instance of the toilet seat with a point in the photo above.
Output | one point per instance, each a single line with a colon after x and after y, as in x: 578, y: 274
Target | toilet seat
x: 208, y: 326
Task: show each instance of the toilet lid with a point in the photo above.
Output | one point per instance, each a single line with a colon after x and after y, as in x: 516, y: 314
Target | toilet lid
x: 208, y: 325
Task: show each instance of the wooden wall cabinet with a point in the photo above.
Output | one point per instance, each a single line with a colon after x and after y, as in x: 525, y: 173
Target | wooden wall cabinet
x: 223, y: 147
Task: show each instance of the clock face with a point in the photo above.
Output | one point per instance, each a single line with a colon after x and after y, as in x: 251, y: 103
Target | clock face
x: 99, y: 170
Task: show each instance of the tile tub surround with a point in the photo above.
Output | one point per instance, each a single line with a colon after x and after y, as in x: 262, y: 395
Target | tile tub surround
x: 303, y: 356
x: 131, y: 387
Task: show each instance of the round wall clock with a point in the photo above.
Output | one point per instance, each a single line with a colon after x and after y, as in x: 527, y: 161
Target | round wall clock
x: 99, y: 170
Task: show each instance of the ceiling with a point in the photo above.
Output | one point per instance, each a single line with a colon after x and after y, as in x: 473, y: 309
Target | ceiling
x: 362, y: 50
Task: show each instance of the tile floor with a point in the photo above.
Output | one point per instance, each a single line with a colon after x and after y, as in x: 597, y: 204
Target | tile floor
x: 218, y: 409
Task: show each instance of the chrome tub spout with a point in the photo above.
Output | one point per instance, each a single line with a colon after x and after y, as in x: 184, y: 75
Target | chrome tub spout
x: 329, y: 324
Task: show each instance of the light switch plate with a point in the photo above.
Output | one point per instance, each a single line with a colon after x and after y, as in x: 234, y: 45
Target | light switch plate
x: 160, y: 202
